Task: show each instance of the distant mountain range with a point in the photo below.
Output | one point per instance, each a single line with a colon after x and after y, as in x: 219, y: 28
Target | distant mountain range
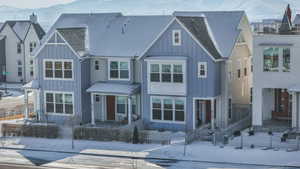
x: 256, y: 9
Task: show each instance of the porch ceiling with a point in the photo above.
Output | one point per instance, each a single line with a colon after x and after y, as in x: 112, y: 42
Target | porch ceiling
x: 114, y: 88
x: 295, y: 88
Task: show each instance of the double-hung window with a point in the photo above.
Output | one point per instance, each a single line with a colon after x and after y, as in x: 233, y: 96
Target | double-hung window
x: 286, y: 54
x: 20, y: 68
x: 276, y: 59
x: 59, y: 103
x: 166, y: 73
x: 32, y: 45
x: 271, y: 59
x: 97, y: 67
x: 202, y: 69
x: 119, y: 70
x: 168, y: 109
x: 177, y: 74
x: 154, y: 73
x: 58, y: 69
x: 121, y: 105
x: 176, y: 37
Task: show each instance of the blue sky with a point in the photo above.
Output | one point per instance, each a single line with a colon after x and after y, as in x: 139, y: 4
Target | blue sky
x: 32, y: 3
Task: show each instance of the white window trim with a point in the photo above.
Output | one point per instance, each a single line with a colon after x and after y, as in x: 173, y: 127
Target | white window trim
x: 119, y: 60
x: 172, y: 63
x: 173, y: 37
x: 58, y: 92
x: 116, y: 106
x: 98, y: 64
x: 162, y: 109
x: 205, y: 67
x: 57, y: 60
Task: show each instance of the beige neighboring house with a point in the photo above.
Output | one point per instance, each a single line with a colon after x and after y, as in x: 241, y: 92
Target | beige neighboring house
x: 18, y: 38
x: 240, y: 74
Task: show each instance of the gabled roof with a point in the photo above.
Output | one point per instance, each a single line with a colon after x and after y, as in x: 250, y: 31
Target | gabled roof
x: 197, y: 26
x: 1, y: 24
x: 224, y: 26
x: 112, y: 34
x: 22, y: 27
x: 75, y: 37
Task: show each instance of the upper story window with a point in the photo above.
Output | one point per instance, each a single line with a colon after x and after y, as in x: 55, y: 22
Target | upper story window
x: 19, y: 48
x: 32, y: 46
x: 167, y: 73
x: 176, y: 37
x: 202, y: 69
x: 271, y: 59
x: 58, y: 69
x: 277, y: 59
x: 286, y: 54
x: 119, y: 70
x: 97, y: 67
x: 239, y: 73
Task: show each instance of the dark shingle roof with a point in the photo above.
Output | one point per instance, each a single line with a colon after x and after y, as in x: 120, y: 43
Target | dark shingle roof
x: 197, y: 26
x: 224, y: 26
x: 75, y: 37
x: 21, y: 28
x: 39, y: 30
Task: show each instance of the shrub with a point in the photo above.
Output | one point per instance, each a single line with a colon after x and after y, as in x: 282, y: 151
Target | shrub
x: 135, y: 138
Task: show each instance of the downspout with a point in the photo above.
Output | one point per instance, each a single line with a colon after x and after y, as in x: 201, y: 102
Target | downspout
x: 24, y: 62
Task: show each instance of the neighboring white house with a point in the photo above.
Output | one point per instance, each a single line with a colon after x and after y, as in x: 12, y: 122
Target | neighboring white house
x: 276, y: 78
x: 21, y: 37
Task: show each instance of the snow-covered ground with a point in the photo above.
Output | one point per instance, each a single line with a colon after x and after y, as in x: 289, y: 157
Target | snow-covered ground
x: 11, y: 85
x: 262, y: 139
x: 198, y: 151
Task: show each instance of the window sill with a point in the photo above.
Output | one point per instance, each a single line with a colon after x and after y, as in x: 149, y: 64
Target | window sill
x: 169, y: 122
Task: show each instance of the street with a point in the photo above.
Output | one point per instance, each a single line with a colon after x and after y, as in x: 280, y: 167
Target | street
x: 11, y: 159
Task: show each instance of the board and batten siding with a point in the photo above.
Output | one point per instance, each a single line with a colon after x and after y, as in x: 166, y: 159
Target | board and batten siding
x: 60, y: 52
x: 196, y: 87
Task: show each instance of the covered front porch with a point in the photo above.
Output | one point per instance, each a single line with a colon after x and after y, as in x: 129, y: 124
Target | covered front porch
x: 277, y: 108
x: 114, y: 103
x: 29, y: 111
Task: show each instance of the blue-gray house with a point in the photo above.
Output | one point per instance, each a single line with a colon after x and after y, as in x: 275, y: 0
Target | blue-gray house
x: 172, y: 72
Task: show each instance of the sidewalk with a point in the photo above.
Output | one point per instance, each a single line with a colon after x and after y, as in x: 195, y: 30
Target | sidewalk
x: 197, y: 152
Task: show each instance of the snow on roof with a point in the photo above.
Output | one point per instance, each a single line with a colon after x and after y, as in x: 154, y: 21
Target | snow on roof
x: 112, y: 34
x: 21, y: 28
x: 34, y: 84
x: 224, y: 27
x: 297, y: 19
x: 114, y: 88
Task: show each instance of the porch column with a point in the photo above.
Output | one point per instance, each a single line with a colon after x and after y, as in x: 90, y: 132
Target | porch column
x: 93, y: 109
x: 129, y: 110
x: 26, y: 104
x: 212, y: 114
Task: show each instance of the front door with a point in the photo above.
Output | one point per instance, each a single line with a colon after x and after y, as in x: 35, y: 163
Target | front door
x: 111, y: 107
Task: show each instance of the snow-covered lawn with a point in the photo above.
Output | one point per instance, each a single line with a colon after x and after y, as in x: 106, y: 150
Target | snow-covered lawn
x: 11, y: 85
x: 199, y: 151
x: 262, y: 139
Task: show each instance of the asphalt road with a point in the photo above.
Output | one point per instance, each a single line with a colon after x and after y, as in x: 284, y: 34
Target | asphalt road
x: 14, y: 166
